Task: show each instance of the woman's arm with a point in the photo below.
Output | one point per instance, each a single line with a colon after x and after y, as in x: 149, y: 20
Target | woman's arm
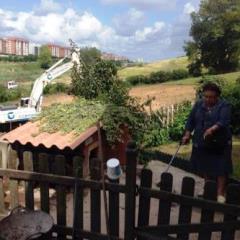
x: 190, y: 125
x: 223, y: 121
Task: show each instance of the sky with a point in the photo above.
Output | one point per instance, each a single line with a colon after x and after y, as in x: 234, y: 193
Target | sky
x: 138, y: 29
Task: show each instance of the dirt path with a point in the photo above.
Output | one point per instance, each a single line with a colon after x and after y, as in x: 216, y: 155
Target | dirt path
x: 165, y: 95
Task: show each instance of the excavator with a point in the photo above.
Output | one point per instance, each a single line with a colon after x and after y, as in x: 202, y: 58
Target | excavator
x: 30, y: 107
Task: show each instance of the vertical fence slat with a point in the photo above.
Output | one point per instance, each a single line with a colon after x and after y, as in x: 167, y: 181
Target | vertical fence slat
x: 210, y: 193
x: 114, y: 211
x: 164, y: 211
x: 165, y: 205
x: 95, y: 202
x: 44, y: 187
x: 2, y: 208
x: 78, y: 198
x: 185, y: 212
x: 59, y: 165
x: 233, y: 197
x: 13, y: 184
x: 144, y: 202
x: 130, y: 204
x: 29, y: 186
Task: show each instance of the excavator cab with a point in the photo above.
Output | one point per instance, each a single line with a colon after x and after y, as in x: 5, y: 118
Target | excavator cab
x: 24, y: 102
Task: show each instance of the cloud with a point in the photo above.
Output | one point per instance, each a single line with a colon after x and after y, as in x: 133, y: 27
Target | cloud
x: 126, y: 24
x: 129, y: 35
x: 47, y: 6
x: 145, y: 4
x: 188, y: 8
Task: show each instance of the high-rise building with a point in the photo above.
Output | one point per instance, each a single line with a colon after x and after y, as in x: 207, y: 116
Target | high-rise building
x: 59, y: 51
x: 2, y: 46
x: 17, y: 46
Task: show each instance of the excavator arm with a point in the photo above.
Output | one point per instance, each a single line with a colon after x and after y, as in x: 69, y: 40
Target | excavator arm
x: 53, y: 72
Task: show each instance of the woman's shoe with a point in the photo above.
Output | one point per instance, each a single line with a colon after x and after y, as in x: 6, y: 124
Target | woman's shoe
x: 221, y: 199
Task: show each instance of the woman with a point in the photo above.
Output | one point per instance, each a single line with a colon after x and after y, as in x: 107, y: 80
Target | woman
x: 212, y: 140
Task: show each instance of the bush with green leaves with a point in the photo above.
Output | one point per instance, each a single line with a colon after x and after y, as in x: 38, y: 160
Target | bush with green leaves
x: 137, y: 80
x: 155, y: 134
x: 176, y: 130
x: 56, y: 88
x: 179, y: 74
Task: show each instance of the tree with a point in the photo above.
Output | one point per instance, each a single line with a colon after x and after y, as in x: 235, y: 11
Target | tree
x: 216, y: 36
x: 44, y: 57
x: 90, y: 55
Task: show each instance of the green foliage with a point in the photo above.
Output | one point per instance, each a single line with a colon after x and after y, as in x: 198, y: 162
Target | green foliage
x: 231, y: 92
x: 100, y: 81
x: 158, y: 77
x: 155, y: 133
x: 74, y: 117
x: 55, y: 88
x: 179, y: 74
x: 138, y: 79
x: 176, y: 130
x: 94, y: 80
x: 216, y: 36
x: 44, y: 57
x: 29, y: 58
x: 11, y: 94
x: 90, y: 55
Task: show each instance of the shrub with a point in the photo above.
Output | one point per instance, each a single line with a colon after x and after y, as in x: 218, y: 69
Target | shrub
x: 179, y: 74
x: 159, y: 77
x: 136, y: 80
x: 177, y: 129
x: 55, y: 88
x: 231, y: 93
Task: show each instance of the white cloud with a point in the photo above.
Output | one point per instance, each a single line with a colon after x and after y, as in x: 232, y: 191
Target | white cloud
x: 128, y: 36
x: 188, y: 8
x: 126, y: 24
x: 47, y: 6
x: 145, y: 4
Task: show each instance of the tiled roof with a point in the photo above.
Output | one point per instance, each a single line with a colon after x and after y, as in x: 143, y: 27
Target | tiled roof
x: 29, y: 134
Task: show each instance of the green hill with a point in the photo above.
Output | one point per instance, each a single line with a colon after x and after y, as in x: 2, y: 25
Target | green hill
x: 20, y: 72
x: 146, y: 69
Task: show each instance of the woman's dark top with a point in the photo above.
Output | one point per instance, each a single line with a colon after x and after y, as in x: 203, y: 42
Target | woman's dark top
x: 217, y: 162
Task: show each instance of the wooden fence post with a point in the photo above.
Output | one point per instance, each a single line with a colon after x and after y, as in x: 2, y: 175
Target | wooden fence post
x: 60, y: 164
x: 78, y: 198
x: 95, y: 196
x: 13, y: 184
x: 233, y: 197
x: 185, y: 212
x: 29, y: 185
x: 130, y: 198
x: 144, y: 202
x: 210, y: 193
x: 44, y: 187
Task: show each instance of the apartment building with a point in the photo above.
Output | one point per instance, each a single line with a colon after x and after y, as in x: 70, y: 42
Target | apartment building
x: 59, y: 51
x: 2, y: 46
x: 16, y: 46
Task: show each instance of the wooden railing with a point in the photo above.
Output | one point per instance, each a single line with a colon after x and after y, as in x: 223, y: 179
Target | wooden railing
x: 131, y: 204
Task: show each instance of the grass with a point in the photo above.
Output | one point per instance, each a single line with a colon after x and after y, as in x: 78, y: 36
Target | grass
x: 19, y: 72
x: 146, y: 69
x: 185, y: 152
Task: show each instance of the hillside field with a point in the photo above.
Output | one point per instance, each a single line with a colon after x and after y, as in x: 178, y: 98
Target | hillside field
x: 146, y: 69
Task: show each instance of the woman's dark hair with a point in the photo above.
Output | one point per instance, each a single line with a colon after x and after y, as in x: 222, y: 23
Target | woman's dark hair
x: 212, y: 87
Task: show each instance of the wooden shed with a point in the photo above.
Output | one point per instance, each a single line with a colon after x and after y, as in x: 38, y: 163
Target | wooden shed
x: 28, y: 138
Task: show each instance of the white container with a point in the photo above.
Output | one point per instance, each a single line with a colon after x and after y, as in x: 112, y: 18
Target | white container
x: 114, y: 170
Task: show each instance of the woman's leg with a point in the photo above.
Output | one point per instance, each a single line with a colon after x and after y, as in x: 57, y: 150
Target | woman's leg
x: 221, y: 185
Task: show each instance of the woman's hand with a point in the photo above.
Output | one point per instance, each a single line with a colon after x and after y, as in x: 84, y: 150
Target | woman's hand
x: 186, y: 138
x: 210, y: 131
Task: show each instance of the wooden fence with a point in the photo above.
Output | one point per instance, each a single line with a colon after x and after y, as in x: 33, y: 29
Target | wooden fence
x: 129, y: 203
x: 167, y: 114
